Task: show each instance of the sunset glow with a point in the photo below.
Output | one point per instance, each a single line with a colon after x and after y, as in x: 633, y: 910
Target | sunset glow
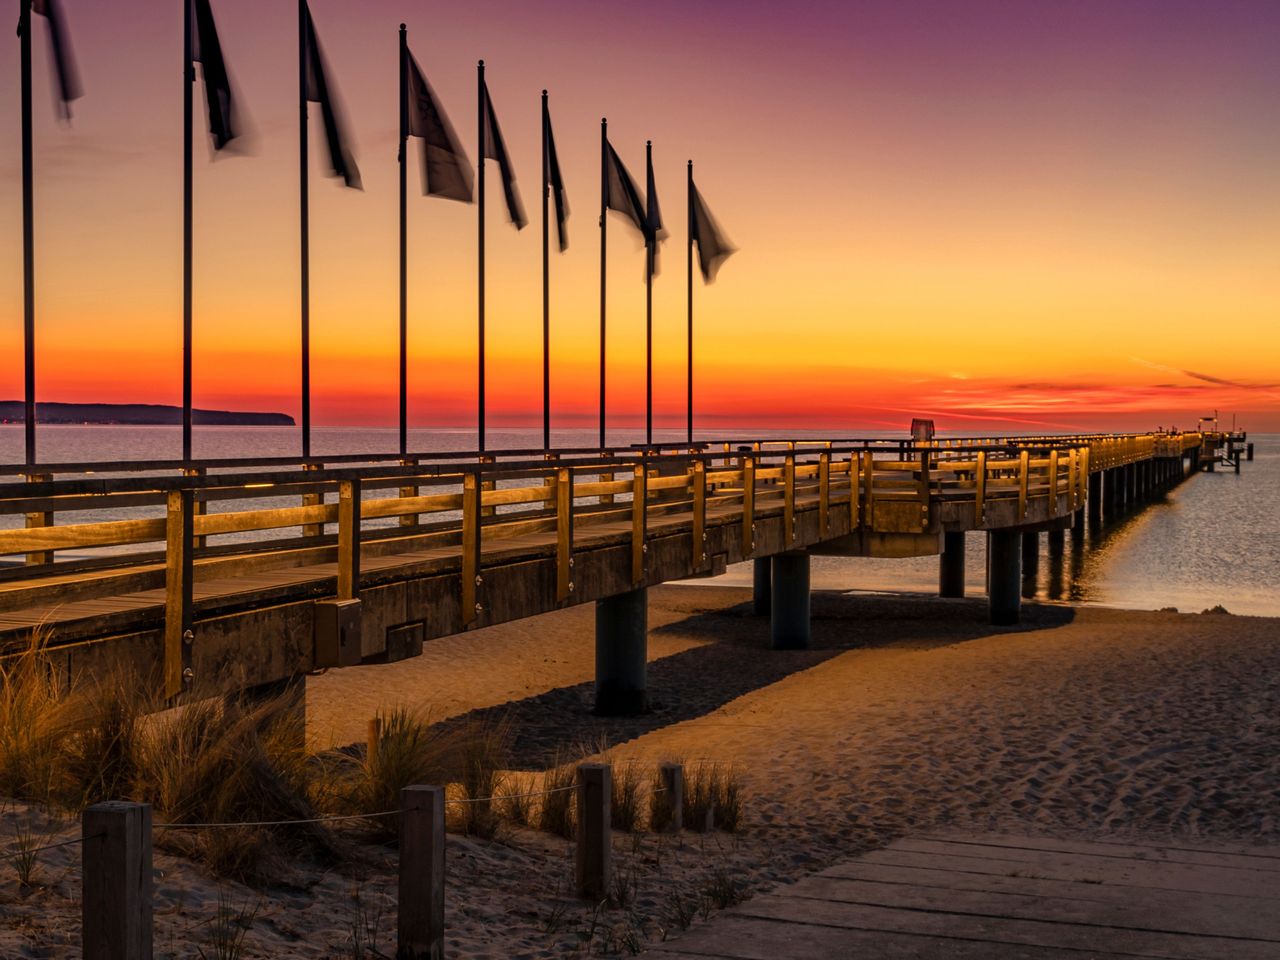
x: 1056, y: 217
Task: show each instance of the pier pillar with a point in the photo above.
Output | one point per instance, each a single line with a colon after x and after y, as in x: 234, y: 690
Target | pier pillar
x: 622, y: 636
x: 1248, y: 452
x: 951, y: 566
x: 789, y: 617
x: 1057, y: 542
x: 1030, y: 553
x: 1005, y: 593
x: 1095, y: 496
x: 761, y: 588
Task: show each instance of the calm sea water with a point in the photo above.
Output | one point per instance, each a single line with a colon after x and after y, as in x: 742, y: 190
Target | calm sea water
x: 1214, y: 540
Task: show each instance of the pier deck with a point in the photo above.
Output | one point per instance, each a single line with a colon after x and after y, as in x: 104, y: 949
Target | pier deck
x: 990, y: 897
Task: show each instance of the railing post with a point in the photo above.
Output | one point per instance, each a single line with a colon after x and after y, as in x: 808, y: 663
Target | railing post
x: 470, y: 547
x: 592, y: 857
x: 311, y: 500
x: 1024, y: 480
x: 1053, y: 483
x: 564, y: 533
x: 748, y: 505
x: 348, y: 539
x: 789, y: 498
x: 869, y: 487
x: 699, y: 481
x: 179, y: 577
x: 639, y: 523
x: 408, y: 519
x: 38, y: 519
x: 198, y: 505
x: 855, y: 481
x: 1071, y: 481
x: 980, y: 490
x: 824, y: 493
x: 116, y: 918
x: 487, y: 511
x: 420, y: 911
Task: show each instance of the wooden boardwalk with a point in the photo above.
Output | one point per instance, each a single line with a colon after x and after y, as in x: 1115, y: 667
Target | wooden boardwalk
x: 966, y: 897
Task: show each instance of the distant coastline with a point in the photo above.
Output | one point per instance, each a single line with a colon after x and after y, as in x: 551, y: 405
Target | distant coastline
x: 138, y: 414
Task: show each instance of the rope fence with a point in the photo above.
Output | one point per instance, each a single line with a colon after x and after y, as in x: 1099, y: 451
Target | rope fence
x: 116, y: 903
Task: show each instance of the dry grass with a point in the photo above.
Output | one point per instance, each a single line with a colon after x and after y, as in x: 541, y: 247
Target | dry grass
x: 624, y: 802
x: 661, y: 804
x: 556, y: 811
x: 482, y: 751
x: 712, y: 798
x: 35, y: 718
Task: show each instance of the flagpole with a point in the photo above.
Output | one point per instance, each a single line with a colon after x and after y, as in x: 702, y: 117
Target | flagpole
x: 305, y: 228
x: 546, y: 283
x: 28, y: 241
x: 651, y: 252
x: 604, y: 200
x: 188, y: 82
x: 404, y: 243
x: 480, y: 237
x: 689, y: 270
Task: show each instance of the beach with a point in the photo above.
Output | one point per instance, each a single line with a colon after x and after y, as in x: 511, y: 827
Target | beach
x: 908, y: 713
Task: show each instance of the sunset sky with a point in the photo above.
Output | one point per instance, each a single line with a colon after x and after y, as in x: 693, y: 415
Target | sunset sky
x: 1041, y: 215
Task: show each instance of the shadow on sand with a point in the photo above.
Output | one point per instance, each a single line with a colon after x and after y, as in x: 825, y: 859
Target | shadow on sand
x: 735, y: 660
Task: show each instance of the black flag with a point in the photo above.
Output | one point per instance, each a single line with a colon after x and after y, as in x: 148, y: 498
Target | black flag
x: 495, y: 148
x: 654, y: 233
x: 713, y: 247
x: 207, y: 51
x: 446, y: 171
x: 341, y: 161
x: 622, y: 194
x: 64, y: 64
x: 556, y: 183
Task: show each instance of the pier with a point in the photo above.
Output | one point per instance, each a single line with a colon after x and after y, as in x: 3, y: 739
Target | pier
x: 232, y: 575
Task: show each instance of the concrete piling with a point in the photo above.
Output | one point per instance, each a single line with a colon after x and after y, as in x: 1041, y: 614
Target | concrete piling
x: 789, y: 616
x: 622, y: 638
x: 1005, y: 575
x: 951, y: 565
x: 762, y: 589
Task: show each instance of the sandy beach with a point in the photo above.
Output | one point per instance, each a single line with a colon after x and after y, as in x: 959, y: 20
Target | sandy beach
x: 908, y: 713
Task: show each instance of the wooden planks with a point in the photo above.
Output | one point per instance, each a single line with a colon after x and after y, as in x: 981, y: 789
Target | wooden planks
x: 1001, y: 897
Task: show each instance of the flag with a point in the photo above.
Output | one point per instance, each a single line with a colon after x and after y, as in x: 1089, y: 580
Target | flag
x: 713, y: 247
x: 495, y: 148
x: 621, y: 193
x: 206, y: 50
x: 556, y: 183
x: 341, y: 161
x: 654, y: 233
x: 446, y: 171
x: 64, y: 65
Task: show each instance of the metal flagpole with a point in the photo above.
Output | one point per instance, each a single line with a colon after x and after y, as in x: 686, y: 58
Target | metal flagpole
x: 648, y: 316
x: 546, y: 283
x: 689, y: 350
x: 188, y: 82
x: 404, y: 244
x: 480, y: 215
x: 604, y: 202
x: 28, y: 241
x: 304, y: 224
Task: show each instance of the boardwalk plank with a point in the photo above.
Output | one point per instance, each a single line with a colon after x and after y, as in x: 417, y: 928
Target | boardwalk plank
x: 1030, y: 850
x: 1208, y: 853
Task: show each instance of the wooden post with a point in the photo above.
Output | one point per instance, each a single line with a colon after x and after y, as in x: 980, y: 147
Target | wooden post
x: 564, y: 533
x: 311, y: 500
x: 592, y: 857
x: 420, y: 912
x: 1024, y: 479
x: 179, y: 577
x: 869, y: 488
x: 855, y: 472
x: 409, y: 519
x: 980, y: 490
x: 1053, y: 483
x: 470, y: 547
x: 639, y: 524
x: 374, y: 740
x: 748, y: 505
x: 37, y: 520
x: 487, y: 511
x: 672, y: 776
x: 699, y: 482
x: 348, y: 539
x: 116, y: 881
x: 789, y: 499
x: 824, y: 493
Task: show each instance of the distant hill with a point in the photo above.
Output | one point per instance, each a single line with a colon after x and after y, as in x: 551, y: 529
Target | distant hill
x: 138, y: 414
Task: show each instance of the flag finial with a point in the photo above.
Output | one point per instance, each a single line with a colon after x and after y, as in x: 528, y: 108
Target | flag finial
x: 480, y: 63
x: 648, y: 143
x: 402, y: 28
x: 544, y: 92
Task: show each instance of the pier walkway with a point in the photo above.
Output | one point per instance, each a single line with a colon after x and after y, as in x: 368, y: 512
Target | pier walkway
x: 217, y: 576
x: 985, y: 897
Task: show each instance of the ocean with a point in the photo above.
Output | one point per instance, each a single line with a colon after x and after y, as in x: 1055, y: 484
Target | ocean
x: 1213, y: 541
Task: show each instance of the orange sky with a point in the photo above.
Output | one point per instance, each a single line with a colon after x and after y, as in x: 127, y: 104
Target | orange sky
x: 1023, y: 215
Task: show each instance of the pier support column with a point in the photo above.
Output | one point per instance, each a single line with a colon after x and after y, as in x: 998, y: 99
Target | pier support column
x: 789, y: 617
x: 1030, y: 554
x: 1005, y: 593
x: 951, y: 566
x: 1095, y: 496
x: 1057, y: 542
x: 622, y: 637
x: 762, y: 588
x: 1248, y: 452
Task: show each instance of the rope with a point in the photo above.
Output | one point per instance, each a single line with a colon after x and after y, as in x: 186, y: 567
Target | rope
x: 514, y: 796
x: 10, y: 855
x: 273, y: 823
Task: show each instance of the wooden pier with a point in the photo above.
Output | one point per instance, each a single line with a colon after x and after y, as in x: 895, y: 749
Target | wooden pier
x: 224, y: 575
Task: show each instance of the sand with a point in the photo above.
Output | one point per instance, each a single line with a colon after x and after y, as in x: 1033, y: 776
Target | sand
x: 908, y: 714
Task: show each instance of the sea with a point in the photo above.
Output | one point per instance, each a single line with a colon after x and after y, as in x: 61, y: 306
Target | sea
x: 1212, y: 541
